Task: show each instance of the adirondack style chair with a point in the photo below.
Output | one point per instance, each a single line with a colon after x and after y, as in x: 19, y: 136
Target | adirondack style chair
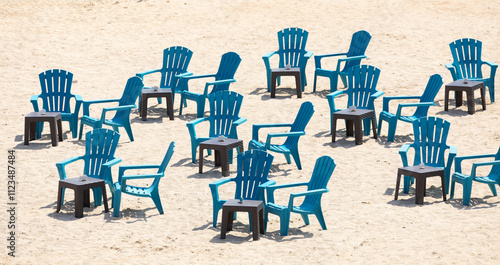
x: 361, y: 91
x: 250, y: 182
x: 175, y: 63
x: 122, y: 112
x: 56, y: 97
x: 223, y: 119
x: 291, y: 144
x: 223, y: 78
x: 430, y: 148
x: 311, y: 203
x: 467, y: 63
x: 291, y: 51
x: 421, y: 108
x: 151, y: 190
x: 99, y: 157
x: 356, y: 52
x: 492, y: 178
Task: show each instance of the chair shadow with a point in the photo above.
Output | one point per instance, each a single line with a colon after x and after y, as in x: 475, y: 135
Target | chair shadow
x: 474, y: 204
x: 408, y: 200
x: 45, y: 141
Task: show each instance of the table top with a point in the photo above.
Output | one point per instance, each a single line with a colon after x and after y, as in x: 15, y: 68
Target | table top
x: 46, y: 115
x: 461, y: 84
x: 217, y: 141
x: 78, y: 182
x: 357, y: 112
x: 426, y: 170
x: 159, y: 91
x: 284, y: 70
x: 244, y: 204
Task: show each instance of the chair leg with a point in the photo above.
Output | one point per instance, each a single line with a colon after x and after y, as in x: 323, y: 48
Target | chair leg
x: 62, y: 196
x: 128, y: 129
x: 467, y: 190
x: 287, y: 157
x: 321, y: 219
x: 39, y: 130
x: 334, y: 82
x: 201, y: 107
x: 81, y: 131
x: 452, y: 189
x: 156, y: 199
x: 284, y: 223
x: 97, y: 196
x: 406, y: 184
x: 296, y: 158
x: 194, y: 146
x: 74, y: 127
x: 305, y: 217
x: 116, y: 202
x: 493, y: 189
x: 266, y: 219
x: 392, y: 130
x: 314, y: 84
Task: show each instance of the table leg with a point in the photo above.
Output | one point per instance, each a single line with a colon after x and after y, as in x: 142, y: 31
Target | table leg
x: 374, y: 128
x: 261, y: 221
x: 471, y: 104
x: 27, y: 132
x: 104, y: 197
x: 273, y: 85
x: 144, y: 108
x: 483, y: 100
x: 446, y: 98
x: 170, y: 106
x: 458, y: 98
x: 443, y: 187
x: 398, y: 181
x: 255, y: 224
x: 59, y: 129
x: 33, y: 126
x: 334, y: 129
x: 224, y: 162
x: 223, y: 228
x: 217, y: 158
x: 420, y: 190
x: 298, y: 84
x: 359, y: 131
x: 230, y: 218
x: 349, y: 128
x: 200, y: 160
x: 53, y: 132
x: 79, y: 194
x: 59, y: 198
x: 86, y: 198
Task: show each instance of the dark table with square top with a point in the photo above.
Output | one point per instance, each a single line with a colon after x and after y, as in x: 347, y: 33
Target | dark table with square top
x: 82, y: 196
x: 221, y: 146
x: 256, y: 210
x: 151, y: 93
x: 353, y: 119
x: 459, y: 87
x: 54, y: 120
x: 420, y: 175
x: 294, y: 71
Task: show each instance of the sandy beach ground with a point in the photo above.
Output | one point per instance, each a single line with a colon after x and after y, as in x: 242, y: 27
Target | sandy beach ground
x: 103, y: 43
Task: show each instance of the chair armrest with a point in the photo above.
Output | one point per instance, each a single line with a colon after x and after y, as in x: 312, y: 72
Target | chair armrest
x: 122, y: 169
x: 266, y: 58
x: 124, y: 178
x: 308, y: 55
x: 191, y: 126
x: 184, y: 74
x: 87, y: 103
x: 142, y: 74
x: 491, y: 64
x: 309, y: 192
x: 459, y: 159
x: 481, y: 164
x: 283, y: 134
x: 452, y: 70
x: 331, y: 99
x: 189, y: 77
x: 377, y: 94
x: 34, y: 102
x: 341, y: 60
x: 257, y: 127
x: 239, y: 121
x: 61, y: 166
x: 106, y: 169
x: 403, y: 151
x: 387, y: 99
x: 233, y: 133
x: 218, y: 82
x: 104, y: 110
x: 214, y: 187
x: 406, y: 105
x: 271, y: 188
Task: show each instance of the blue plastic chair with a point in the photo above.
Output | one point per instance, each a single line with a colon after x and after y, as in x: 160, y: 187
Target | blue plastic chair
x: 353, y: 56
x: 150, y: 191
x: 467, y: 63
x: 251, y: 179
x: 175, y: 63
x: 223, y: 78
x: 291, y: 144
x: 361, y: 92
x: 430, y: 148
x: 224, y: 119
x: 100, y: 146
x: 492, y: 178
x: 122, y: 112
x: 292, y: 51
x: 56, y: 97
x: 311, y: 203
x: 421, y: 108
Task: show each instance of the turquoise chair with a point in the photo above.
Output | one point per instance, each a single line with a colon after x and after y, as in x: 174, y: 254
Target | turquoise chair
x: 99, y: 157
x: 361, y: 91
x: 429, y: 148
x: 491, y: 179
x: 223, y: 119
x: 250, y: 182
x: 311, y: 203
x: 356, y: 52
x: 56, y: 97
x: 122, y: 112
x: 222, y: 79
x: 291, y: 51
x: 291, y: 144
x: 421, y: 108
x: 467, y: 63
x: 151, y: 190
x: 175, y: 63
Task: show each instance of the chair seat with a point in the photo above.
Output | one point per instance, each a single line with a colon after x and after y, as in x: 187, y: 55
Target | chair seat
x: 485, y: 180
x: 272, y: 147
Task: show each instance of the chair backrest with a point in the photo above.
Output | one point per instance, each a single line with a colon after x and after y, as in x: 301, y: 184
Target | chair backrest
x: 495, y: 169
x: 430, y: 140
x: 100, y: 146
x: 56, y: 90
x: 433, y: 85
x: 361, y: 84
x: 359, y: 43
x: 175, y: 61
x: 164, y: 163
x: 253, y: 170
x: 224, y: 109
x: 227, y: 68
x: 292, y: 46
x: 303, y: 117
x: 467, y: 58
x: 322, y: 172
x: 130, y: 93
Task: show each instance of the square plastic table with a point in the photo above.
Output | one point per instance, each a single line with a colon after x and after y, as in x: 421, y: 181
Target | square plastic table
x: 294, y: 71
x: 82, y: 196
x: 460, y: 86
x: 420, y: 175
x: 151, y: 93
x: 30, y: 123
x: 253, y: 207
x: 221, y: 146
x: 353, y: 119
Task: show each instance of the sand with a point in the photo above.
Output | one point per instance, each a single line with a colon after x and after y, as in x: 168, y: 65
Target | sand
x: 103, y: 43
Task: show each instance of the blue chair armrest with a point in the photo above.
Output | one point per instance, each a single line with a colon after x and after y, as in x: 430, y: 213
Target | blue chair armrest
x: 105, y: 110
x: 268, y: 55
x: 283, y: 134
x: 218, y: 82
x: 403, y: 151
x: 491, y: 64
x: 142, y: 74
x: 387, y: 99
x: 341, y: 60
x: 377, y: 94
x: 87, y: 103
x: 189, y: 77
x: 122, y: 169
x: 144, y: 176
x: 184, y: 74
x: 482, y: 164
x: 407, y: 105
x: 453, y: 71
x: 309, y: 192
x: 34, y: 102
x: 61, y: 166
x: 239, y: 121
x: 191, y: 126
x: 271, y: 188
x: 308, y: 55
x: 257, y: 127
x: 459, y: 159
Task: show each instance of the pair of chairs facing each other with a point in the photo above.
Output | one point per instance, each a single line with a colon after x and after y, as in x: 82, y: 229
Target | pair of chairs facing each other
x: 467, y: 63
x: 122, y: 112
x: 175, y: 63
x: 491, y: 178
x: 56, y: 96
x: 99, y: 157
x: 351, y: 58
x: 222, y: 79
x: 421, y: 108
x: 430, y: 148
x: 252, y: 180
x: 291, y: 51
x: 361, y: 92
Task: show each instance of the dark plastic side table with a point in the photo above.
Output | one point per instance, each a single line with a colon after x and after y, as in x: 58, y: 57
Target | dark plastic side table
x: 221, y: 149
x: 256, y: 210
x: 52, y: 118
x: 294, y: 71
x: 82, y: 196
x: 353, y: 119
x: 151, y: 93
x: 420, y: 175
x: 459, y: 86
